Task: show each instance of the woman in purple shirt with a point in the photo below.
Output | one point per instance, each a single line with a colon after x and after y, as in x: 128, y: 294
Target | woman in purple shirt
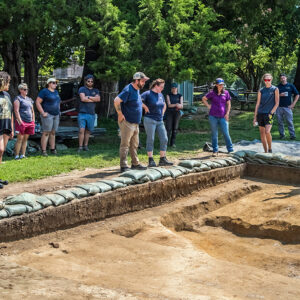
x: 219, y: 114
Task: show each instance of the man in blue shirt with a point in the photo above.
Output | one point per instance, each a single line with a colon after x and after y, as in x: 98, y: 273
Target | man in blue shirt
x: 286, y: 105
x: 86, y: 117
x: 128, y: 105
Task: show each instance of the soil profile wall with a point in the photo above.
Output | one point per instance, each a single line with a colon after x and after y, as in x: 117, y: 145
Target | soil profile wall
x: 121, y: 201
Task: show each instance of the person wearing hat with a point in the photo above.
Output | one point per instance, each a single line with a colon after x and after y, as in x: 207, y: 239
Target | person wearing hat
x: 219, y: 110
x: 86, y: 117
x: 174, y: 105
x: 48, y: 105
x: 266, y: 105
x: 128, y: 105
x: 24, y: 120
x: 286, y: 106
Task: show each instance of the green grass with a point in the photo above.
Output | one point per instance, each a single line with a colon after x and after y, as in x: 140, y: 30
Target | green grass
x: 104, y: 151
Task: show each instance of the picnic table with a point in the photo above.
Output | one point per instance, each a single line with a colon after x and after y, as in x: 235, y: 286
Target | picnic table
x: 247, y: 99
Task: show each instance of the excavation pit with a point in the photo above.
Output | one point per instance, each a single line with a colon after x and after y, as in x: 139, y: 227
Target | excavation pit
x: 229, y: 233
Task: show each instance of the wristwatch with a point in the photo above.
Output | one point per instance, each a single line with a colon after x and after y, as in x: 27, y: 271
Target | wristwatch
x: 88, y: 97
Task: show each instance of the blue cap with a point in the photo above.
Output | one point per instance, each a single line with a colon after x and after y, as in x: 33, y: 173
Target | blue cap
x: 219, y: 81
x: 174, y: 85
x: 89, y: 76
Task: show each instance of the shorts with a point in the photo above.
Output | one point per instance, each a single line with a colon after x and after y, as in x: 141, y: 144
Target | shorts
x: 50, y: 123
x: 24, y: 128
x: 265, y: 119
x: 86, y: 121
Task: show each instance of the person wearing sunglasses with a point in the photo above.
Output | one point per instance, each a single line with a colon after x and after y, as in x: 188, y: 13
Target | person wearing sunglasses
x: 219, y: 110
x: 48, y: 105
x: 266, y: 105
x: 89, y: 96
x: 24, y: 120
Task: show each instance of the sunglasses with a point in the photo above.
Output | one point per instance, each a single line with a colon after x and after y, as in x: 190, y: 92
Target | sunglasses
x: 267, y: 79
x: 24, y: 89
x: 53, y: 82
x: 90, y: 81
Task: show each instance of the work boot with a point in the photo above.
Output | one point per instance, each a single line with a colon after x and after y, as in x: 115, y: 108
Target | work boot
x: 151, y: 162
x: 292, y: 137
x: 1, y: 186
x: 164, y: 162
x: 124, y: 169
x: 138, y: 167
x: 5, y: 182
x: 86, y: 148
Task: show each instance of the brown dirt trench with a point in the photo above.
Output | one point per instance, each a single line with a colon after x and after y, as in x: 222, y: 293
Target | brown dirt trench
x: 233, y: 240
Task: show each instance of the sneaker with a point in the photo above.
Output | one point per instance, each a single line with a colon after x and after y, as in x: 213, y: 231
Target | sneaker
x: 151, y: 163
x: 292, y: 137
x: 53, y: 151
x: 80, y: 149
x: 164, y: 162
x: 138, y: 167
x: 17, y: 157
x: 86, y: 148
x: 282, y: 137
x: 44, y: 153
x: 270, y: 151
x: 173, y: 146
x: 22, y: 156
x: 1, y: 186
x: 215, y: 154
x: 4, y: 182
x: 124, y: 169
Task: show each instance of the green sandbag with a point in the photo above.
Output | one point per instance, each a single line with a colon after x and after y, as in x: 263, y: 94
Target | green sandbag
x: 114, y: 184
x: 206, y: 166
x: 222, y: 162
x: 137, y: 175
x: 215, y: 164
x: 56, y: 199
x: 164, y: 172
x: 91, y: 189
x: 264, y: 156
x: 190, y: 163
x: 1, y: 204
x: 183, y: 169
x: 3, y: 214
x: 238, y: 159
x: 250, y: 153
x: 240, y: 153
x: 79, y: 192
x: 124, y: 180
x: 44, y: 201
x: 24, y: 198
x: 175, y: 172
x: 279, y: 157
x: 103, y: 187
x: 230, y: 161
x: 153, y: 175
x: 15, y: 209
x: 66, y: 194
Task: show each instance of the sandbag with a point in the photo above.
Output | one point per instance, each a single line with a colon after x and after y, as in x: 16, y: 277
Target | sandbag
x: 24, y: 198
x: 240, y: 153
x: 175, y: 172
x: 79, y: 192
x: 230, y: 161
x: 164, y: 172
x: 206, y: 166
x: 3, y: 214
x: 56, y: 199
x: 264, y: 156
x: 238, y: 159
x: 114, y: 184
x: 250, y: 153
x: 124, y: 180
x: 153, y: 175
x: 1, y: 204
x: 44, y: 201
x: 66, y: 194
x: 190, y: 163
x: 137, y: 175
x: 215, y: 164
x: 183, y: 169
x: 103, y: 187
x: 222, y: 162
x: 15, y: 209
x: 91, y: 189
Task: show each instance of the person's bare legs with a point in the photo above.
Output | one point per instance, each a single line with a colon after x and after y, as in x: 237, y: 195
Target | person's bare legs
x: 162, y: 153
x: 52, y: 140
x: 18, y: 144
x: 1, y: 147
x: 81, y: 136
x: 24, y: 144
x: 44, y: 140
x: 87, y: 134
x: 263, y: 138
x: 269, y: 136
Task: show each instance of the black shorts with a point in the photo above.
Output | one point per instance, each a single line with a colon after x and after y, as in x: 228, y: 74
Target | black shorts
x: 265, y: 119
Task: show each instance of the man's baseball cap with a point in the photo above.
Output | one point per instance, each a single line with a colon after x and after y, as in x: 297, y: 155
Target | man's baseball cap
x: 174, y: 85
x: 89, y: 76
x: 140, y: 75
x: 52, y: 80
x: 282, y: 74
x: 219, y: 81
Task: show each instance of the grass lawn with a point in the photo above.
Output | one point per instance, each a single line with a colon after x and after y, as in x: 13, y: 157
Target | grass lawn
x: 104, y: 151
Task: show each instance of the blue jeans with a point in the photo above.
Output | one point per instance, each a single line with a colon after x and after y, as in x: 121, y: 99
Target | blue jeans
x: 287, y: 114
x: 152, y: 126
x: 214, y: 123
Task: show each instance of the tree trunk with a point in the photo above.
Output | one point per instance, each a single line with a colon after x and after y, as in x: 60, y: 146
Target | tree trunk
x: 297, y: 76
x: 30, y: 55
x: 11, y: 54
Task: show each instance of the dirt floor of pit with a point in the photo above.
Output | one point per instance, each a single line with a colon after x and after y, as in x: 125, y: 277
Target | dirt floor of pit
x: 180, y: 250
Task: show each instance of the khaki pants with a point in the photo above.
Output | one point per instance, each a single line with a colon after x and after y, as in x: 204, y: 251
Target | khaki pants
x: 129, y: 142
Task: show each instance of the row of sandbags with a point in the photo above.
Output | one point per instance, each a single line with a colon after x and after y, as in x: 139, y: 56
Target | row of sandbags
x: 28, y: 202
x: 268, y: 158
